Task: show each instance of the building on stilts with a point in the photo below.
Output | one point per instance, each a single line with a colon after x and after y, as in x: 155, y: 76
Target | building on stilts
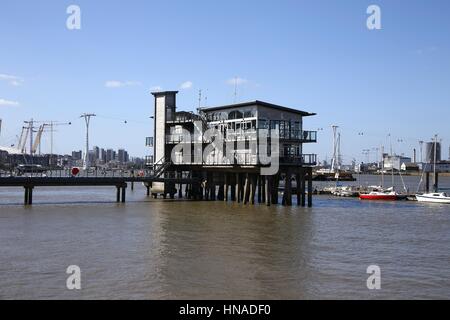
x: 243, y: 152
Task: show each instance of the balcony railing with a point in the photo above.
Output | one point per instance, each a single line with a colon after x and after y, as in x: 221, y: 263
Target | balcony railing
x: 301, y: 136
x: 304, y: 160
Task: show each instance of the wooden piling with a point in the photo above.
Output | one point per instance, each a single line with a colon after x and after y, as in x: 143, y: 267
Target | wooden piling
x: 303, y: 187
x: 267, y: 194
x: 263, y: 188
x: 310, y: 187
x: 258, y: 182
x: 247, y: 189
x: 253, y: 182
x: 117, y: 193
x: 238, y: 187
x: 225, y: 188
x: 124, y: 193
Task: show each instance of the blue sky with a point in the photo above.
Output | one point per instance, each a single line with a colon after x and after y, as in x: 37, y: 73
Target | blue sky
x: 317, y: 56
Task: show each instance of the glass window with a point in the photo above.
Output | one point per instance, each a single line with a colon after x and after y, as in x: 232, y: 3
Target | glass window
x: 235, y: 115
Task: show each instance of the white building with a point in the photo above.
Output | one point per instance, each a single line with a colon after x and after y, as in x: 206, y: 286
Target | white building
x: 394, y: 162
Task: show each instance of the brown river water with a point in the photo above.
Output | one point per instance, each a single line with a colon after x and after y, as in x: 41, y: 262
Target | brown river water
x: 176, y: 249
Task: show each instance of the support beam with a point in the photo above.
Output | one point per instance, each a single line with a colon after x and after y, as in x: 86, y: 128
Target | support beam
x: 117, y: 193
x: 267, y: 190
x: 263, y: 182
x: 274, y: 187
x: 303, y: 187
x: 124, y: 188
x: 225, y: 188
x: 233, y: 190
x: 238, y: 187
x: 310, y: 187
x: 220, y: 192
x: 253, y: 182
x: 25, y: 202
x: 288, y: 187
x: 246, y: 189
x: 30, y: 195
x: 259, y: 183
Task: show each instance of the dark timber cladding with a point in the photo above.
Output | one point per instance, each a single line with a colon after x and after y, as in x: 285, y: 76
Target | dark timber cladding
x: 232, y: 168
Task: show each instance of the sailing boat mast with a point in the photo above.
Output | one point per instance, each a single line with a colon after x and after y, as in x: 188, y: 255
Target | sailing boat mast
x: 434, y: 164
x: 382, y: 166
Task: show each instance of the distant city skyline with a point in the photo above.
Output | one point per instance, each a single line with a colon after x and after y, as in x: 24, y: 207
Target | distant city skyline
x: 385, y: 87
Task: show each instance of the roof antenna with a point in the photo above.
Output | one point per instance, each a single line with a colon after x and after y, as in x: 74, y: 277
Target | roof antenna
x: 199, y: 99
x: 235, y: 88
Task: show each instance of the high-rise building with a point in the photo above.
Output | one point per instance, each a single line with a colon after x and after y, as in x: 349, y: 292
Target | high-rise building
x: 96, y: 153
x: 77, y: 155
x: 102, y: 155
x: 121, y: 156
x: 110, y: 155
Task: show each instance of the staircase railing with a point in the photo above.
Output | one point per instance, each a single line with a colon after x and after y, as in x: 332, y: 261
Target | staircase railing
x: 160, y: 167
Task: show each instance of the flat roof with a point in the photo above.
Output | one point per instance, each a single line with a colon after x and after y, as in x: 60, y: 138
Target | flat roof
x: 158, y: 93
x: 259, y: 103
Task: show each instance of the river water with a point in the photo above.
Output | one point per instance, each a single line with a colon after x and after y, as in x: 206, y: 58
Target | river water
x: 175, y: 249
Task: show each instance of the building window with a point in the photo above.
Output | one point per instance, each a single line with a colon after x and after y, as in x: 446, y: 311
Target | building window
x: 235, y: 115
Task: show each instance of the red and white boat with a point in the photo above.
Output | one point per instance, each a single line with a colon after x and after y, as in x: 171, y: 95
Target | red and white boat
x: 386, y: 195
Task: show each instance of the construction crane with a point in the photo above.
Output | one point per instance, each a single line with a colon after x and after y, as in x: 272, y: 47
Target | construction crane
x: 51, y: 127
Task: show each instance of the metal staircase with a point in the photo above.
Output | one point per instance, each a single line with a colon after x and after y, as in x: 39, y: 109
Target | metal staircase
x: 160, y: 167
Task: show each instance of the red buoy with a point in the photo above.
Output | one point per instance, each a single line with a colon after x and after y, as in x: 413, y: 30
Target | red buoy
x: 75, y: 171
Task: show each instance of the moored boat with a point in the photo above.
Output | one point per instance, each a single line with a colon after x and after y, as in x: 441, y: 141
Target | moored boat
x: 377, y: 195
x: 382, y: 194
x: 437, y: 197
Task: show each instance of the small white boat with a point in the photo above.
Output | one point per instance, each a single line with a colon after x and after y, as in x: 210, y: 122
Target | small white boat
x: 347, y: 191
x: 434, y: 197
x: 437, y: 197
